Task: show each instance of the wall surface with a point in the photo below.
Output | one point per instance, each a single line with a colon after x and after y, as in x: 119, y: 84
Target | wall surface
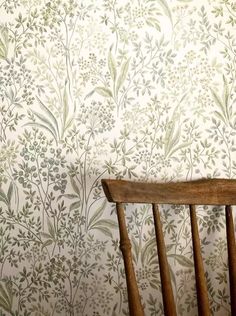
x: 141, y: 89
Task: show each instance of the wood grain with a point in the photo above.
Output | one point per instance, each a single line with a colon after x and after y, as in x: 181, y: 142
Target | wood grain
x: 135, y: 307
x: 167, y: 292
x: 201, y: 285
x: 199, y: 192
x: 230, y: 233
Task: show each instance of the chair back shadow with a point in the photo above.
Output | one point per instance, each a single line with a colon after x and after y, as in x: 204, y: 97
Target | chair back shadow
x: 197, y: 192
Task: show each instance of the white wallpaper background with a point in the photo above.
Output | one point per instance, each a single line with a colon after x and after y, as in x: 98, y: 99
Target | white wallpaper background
x: 138, y: 89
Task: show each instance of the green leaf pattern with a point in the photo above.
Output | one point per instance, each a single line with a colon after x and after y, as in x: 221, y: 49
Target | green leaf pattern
x: 141, y: 90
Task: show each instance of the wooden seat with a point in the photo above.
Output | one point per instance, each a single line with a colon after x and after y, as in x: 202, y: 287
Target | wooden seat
x: 199, y: 192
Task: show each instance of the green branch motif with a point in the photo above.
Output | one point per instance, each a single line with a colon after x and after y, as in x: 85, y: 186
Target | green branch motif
x: 224, y: 112
x: 6, y: 198
x: 4, y: 42
x: 166, y: 9
x: 118, y: 77
x: 173, y: 132
x: 48, y: 121
x: 103, y: 225
x: 6, y: 298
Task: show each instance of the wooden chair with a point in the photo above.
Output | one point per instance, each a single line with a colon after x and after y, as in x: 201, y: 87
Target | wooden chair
x: 199, y: 192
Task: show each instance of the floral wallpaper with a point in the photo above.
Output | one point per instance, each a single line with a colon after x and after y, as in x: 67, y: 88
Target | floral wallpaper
x: 141, y: 89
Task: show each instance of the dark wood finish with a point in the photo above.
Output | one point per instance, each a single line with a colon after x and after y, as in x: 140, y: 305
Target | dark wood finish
x: 167, y: 292
x: 199, y: 192
x: 232, y: 256
x: 201, y: 286
x: 135, y: 307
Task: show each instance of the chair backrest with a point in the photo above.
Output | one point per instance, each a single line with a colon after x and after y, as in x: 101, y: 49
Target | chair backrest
x: 199, y: 192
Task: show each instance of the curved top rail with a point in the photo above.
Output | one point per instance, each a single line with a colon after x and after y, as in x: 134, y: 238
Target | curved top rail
x: 199, y: 192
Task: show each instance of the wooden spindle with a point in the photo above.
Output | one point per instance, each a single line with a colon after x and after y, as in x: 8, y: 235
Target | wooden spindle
x: 135, y: 307
x: 231, y: 256
x: 167, y: 292
x: 201, y: 286
x: 199, y: 192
